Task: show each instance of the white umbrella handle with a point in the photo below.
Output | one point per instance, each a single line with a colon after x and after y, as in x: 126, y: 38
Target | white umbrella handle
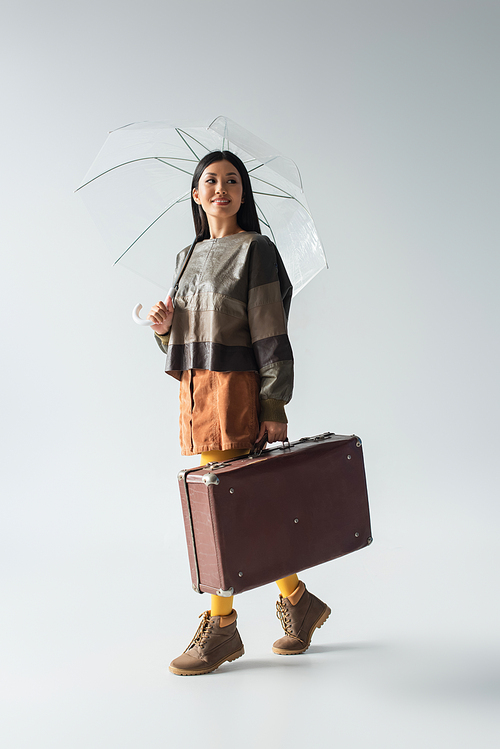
x: 138, y: 307
x: 139, y: 320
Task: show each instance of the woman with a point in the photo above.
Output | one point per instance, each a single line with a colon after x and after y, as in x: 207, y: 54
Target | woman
x: 227, y: 343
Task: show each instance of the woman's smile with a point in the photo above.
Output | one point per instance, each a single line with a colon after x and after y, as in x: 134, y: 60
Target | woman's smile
x: 220, y: 191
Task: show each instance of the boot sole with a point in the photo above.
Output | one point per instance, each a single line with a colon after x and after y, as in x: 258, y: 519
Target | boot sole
x: 199, y: 672
x: 319, y: 623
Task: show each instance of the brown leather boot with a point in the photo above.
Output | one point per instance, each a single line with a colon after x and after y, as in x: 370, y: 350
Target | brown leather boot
x: 216, y: 640
x: 300, y: 614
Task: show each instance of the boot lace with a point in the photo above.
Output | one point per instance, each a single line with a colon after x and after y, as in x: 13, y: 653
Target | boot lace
x: 284, y: 616
x: 202, y: 633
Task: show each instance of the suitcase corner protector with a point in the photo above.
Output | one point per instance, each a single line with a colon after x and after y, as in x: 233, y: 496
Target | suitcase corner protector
x: 210, y: 479
x: 225, y: 593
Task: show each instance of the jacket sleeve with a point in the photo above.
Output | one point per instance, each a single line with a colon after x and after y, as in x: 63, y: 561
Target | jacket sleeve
x: 269, y: 297
x: 162, y: 341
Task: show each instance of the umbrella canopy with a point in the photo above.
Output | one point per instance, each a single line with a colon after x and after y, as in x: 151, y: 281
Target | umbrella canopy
x: 138, y: 192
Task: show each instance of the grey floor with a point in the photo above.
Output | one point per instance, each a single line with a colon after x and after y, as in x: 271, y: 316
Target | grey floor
x: 89, y: 630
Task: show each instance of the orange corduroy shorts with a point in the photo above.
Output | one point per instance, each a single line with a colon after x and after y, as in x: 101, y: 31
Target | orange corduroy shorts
x: 218, y: 410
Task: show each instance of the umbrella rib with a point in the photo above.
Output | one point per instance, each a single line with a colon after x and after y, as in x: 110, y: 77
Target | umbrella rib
x: 285, y: 194
x: 174, y: 158
x: 273, y: 159
x: 179, y: 200
x: 158, y: 158
x: 125, y: 163
x: 264, y: 163
x: 282, y: 197
x: 273, y: 195
x: 107, y: 171
x: 179, y: 133
x: 275, y: 187
x: 303, y: 206
x: 267, y: 223
x: 195, y: 140
x: 259, y: 166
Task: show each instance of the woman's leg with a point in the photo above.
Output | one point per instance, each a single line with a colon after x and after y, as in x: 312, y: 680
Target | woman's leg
x: 287, y: 585
x: 299, y: 611
x: 300, y: 614
x: 221, y: 606
x: 219, y: 456
x: 217, y: 639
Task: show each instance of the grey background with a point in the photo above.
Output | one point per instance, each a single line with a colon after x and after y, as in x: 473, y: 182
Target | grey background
x: 391, y: 111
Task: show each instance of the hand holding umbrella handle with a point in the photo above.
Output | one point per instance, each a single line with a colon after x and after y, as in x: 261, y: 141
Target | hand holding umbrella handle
x: 172, y: 291
x: 138, y: 307
x: 139, y: 320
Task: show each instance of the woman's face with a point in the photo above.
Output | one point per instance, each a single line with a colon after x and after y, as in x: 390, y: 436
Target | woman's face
x: 220, y: 190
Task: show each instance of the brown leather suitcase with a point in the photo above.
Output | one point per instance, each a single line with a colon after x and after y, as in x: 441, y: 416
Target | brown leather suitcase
x: 252, y: 520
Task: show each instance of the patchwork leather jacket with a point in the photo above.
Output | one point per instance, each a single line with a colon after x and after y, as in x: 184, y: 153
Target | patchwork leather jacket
x: 231, y: 314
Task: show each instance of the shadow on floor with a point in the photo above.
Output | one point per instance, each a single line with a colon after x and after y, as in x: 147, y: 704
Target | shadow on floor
x: 299, y: 661
x: 343, y: 646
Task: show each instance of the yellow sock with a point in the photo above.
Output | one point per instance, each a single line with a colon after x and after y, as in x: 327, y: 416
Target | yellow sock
x: 221, y: 606
x: 287, y: 585
x: 220, y: 456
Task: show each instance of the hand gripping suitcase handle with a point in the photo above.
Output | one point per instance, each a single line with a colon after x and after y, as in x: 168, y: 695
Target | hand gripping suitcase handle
x: 259, y: 446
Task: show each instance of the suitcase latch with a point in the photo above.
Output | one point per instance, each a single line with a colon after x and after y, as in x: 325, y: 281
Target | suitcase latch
x: 317, y: 438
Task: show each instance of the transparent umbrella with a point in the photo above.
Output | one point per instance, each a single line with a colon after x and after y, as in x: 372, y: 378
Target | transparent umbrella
x: 138, y: 192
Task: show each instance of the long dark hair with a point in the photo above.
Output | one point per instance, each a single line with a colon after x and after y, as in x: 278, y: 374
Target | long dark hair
x: 247, y: 215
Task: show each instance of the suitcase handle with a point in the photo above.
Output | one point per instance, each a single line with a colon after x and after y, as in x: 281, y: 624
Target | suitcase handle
x: 259, y: 446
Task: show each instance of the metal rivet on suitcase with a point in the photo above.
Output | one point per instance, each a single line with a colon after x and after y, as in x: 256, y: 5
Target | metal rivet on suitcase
x: 356, y: 534
x: 296, y: 520
x: 231, y: 491
x: 358, y: 443
x: 369, y: 540
x: 348, y: 457
x: 240, y: 574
